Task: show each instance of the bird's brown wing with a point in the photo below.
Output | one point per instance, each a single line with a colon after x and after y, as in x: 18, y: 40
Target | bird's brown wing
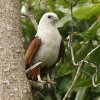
x: 32, y: 49
x: 62, y: 53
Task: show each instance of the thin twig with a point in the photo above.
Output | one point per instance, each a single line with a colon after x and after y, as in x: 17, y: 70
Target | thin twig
x: 73, y: 60
x: 71, y: 36
x: 73, y: 82
x: 42, y: 95
x: 91, y: 64
x: 93, y: 81
x: 38, y: 8
x: 31, y: 18
x: 91, y: 52
x: 86, y: 73
x: 95, y: 76
x: 72, y: 52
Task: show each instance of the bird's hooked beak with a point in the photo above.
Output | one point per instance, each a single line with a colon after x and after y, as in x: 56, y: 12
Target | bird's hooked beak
x: 56, y: 19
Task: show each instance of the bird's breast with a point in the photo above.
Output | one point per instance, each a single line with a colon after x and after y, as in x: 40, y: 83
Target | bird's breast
x: 49, y: 50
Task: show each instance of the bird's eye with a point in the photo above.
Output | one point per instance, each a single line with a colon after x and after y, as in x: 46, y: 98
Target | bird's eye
x: 49, y: 16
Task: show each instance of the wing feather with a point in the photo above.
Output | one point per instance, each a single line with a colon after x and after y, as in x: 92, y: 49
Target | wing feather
x: 32, y: 49
x: 62, y: 53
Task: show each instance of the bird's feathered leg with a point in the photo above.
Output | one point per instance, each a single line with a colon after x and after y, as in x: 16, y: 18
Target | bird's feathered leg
x: 40, y: 80
x: 49, y: 80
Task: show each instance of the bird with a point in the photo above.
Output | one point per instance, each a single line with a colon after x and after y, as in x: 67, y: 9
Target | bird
x: 45, y: 49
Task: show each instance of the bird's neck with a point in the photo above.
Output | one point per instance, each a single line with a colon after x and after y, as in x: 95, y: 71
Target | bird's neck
x: 49, y: 31
x: 46, y: 26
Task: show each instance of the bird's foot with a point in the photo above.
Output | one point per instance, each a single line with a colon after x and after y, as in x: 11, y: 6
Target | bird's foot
x: 43, y: 82
x: 40, y: 80
x: 51, y: 81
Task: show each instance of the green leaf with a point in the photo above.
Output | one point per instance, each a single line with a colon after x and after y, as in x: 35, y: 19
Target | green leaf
x: 92, y: 32
x: 84, y: 82
x: 86, y: 11
x: 64, y: 70
x: 63, y: 84
x: 82, y: 94
x: 64, y: 20
x: 82, y: 52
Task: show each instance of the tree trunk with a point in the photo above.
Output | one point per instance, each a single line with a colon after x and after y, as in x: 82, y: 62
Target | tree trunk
x: 13, y: 82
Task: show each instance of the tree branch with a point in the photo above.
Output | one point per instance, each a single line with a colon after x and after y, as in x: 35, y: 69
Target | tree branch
x: 39, y: 86
x: 71, y: 49
x: 67, y: 95
x: 95, y: 76
x: 31, y: 18
x: 47, y: 87
x: 94, y: 82
x: 29, y: 14
x: 91, y: 52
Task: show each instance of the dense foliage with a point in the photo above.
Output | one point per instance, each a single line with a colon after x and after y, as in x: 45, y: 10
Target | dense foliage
x: 86, y: 35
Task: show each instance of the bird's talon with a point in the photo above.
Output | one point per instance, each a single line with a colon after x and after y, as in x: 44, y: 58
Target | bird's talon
x: 46, y: 85
x: 51, y: 81
x: 43, y: 82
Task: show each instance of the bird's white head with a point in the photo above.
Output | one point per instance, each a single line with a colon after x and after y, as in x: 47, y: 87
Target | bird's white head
x: 49, y: 18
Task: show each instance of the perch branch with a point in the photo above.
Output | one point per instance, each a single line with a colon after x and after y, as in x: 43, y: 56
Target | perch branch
x: 41, y: 87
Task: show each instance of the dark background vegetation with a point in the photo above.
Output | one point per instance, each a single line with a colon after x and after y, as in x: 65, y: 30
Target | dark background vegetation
x: 86, y: 35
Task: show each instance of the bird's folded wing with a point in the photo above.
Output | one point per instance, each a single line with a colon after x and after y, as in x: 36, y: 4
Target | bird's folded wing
x: 62, y: 53
x: 32, y: 49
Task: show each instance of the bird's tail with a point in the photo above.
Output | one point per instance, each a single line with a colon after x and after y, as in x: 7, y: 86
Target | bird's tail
x: 33, y: 71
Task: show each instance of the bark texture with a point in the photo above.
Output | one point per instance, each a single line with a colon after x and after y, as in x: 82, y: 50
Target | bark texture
x: 13, y: 81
